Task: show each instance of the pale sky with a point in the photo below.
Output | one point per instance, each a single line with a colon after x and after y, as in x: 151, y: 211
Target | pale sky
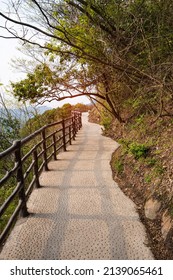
x: 8, y: 51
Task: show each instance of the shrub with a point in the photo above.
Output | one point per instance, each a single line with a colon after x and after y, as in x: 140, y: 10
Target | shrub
x: 138, y: 150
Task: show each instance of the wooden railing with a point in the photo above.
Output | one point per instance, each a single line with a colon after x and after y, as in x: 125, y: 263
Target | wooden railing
x: 28, y: 157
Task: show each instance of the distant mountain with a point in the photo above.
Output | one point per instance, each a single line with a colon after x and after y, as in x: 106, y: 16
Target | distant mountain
x: 42, y: 109
x: 24, y: 114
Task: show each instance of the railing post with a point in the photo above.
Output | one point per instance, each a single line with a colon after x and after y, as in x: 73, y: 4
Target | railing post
x: 35, y: 157
x: 20, y: 179
x: 80, y: 120
x: 74, y: 129
x: 70, y: 134
x: 63, y: 131
x: 54, y: 147
x: 44, y: 150
x: 77, y: 121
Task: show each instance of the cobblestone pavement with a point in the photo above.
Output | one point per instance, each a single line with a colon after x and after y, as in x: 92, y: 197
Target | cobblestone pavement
x: 80, y: 213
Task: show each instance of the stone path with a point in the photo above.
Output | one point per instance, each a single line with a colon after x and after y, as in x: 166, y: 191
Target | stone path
x: 80, y: 213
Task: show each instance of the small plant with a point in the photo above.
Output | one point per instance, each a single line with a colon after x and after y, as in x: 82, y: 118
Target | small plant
x: 147, y: 179
x: 125, y: 143
x: 140, y: 119
x: 119, y: 166
x: 138, y: 150
x: 151, y: 161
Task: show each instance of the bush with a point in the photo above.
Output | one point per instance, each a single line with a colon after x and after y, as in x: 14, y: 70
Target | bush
x: 138, y: 150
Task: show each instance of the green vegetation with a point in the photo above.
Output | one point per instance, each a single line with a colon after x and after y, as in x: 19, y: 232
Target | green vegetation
x: 148, y: 178
x: 138, y: 150
x: 9, y: 130
x: 119, y: 166
x: 5, y: 192
x: 150, y: 161
x: 51, y: 116
x: 106, y: 119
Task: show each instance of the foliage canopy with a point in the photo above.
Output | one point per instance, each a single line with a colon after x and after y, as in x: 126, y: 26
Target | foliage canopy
x: 116, y: 52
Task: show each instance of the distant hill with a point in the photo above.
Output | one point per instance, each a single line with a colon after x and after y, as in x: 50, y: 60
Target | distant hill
x: 24, y: 114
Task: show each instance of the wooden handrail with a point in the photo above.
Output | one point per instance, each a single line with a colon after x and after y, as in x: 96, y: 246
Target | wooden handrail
x: 63, y: 132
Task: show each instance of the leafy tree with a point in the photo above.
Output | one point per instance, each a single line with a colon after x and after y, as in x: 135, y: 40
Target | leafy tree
x: 115, y: 51
x: 9, y: 126
x: 82, y: 107
x: 9, y: 130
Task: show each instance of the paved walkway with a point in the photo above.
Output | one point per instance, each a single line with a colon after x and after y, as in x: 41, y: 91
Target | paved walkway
x: 80, y: 213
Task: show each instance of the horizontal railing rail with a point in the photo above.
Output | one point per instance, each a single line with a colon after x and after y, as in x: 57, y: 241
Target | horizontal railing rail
x: 28, y: 157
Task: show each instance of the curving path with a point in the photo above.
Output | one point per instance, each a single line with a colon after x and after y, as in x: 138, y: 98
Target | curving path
x: 80, y: 213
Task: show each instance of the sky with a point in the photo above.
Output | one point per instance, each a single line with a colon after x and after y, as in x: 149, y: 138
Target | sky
x: 9, y: 51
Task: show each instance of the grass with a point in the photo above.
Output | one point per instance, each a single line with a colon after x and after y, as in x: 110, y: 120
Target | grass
x: 119, y: 166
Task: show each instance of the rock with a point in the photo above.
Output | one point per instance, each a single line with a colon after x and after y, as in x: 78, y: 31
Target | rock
x: 151, y: 208
x: 166, y: 225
